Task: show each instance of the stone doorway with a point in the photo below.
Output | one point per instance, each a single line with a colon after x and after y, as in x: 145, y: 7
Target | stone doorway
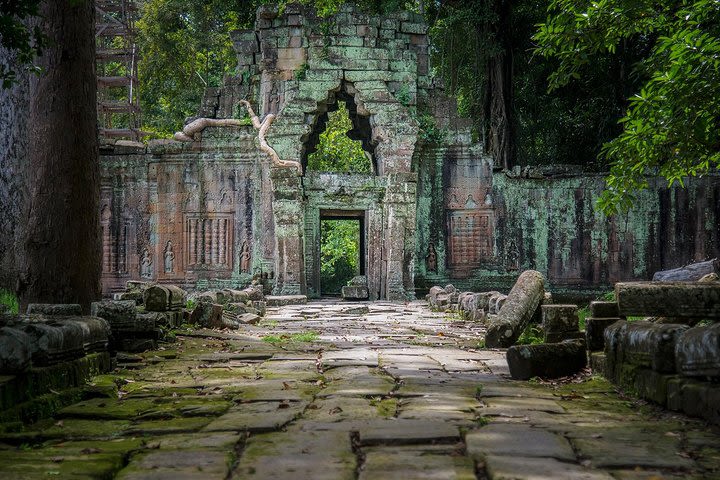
x: 343, y: 251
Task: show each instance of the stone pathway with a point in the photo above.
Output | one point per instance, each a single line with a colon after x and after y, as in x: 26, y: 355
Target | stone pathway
x: 351, y: 391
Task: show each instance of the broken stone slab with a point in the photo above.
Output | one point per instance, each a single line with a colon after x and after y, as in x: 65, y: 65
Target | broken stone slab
x: 230, y: 296
x: 595, y: 332
x: 95, y: 332
x: 355, y: 292
x: 669, y: 299
x: 260, y: 306
x: 249, y: 318
x: 546, y: 360
x: 560, y: 318
x: 697, y: 352
x: 359, y: 310
x: 162, y: 298
x: 602, y: 309
x: 282, y: 300
x: 254, y: 292
x: 519, y: 308
x: 15, y: 351
x: 54, y: 309
x: 120, y: 314
x: 688, y: 273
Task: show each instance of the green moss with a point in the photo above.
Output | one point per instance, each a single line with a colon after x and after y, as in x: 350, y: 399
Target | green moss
x: 10, y: 300
x: 386, y: 407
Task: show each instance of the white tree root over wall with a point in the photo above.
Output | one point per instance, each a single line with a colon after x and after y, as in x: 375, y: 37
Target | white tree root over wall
x: 200, y: 124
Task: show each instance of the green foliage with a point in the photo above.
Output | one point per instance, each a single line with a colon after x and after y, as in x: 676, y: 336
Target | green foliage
x: 336, y: 152
x: 670, y: 128
x: 10, y: 300
x: 340, y: 249
x: 531, y: 335
x: 185, y: 48
x: 583, y: 313
x: 301, y: 337
x: 22, y: 42
x: 190, y: 304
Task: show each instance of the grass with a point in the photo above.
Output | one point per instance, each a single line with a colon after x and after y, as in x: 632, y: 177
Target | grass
x: 301, y: 337
x: 8, y: 298
x: 531, y: 335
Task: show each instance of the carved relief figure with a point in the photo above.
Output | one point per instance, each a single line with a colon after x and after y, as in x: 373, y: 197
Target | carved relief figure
x: 146, y: 265
x: 169, y: 258
x: 245, y: 258
x: 512, y: 256
x: 431, y: 259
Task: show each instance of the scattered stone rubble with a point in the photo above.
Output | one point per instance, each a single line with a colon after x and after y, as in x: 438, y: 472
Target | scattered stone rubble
x: 664, y: 358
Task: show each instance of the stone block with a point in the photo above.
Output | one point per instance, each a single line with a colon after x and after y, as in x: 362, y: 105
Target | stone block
x: 282, y: 300
x: 522, y: 301
x: 161, y: 298
x: 597, y: 362
x: 647, y: 344
x: 207, y: 315
x: 604, y: 309
x: 669, y: 299
x: 96, y: 332
x: 652, y: 385
x: 546, y: 360
x: 559, y: 318
x: 557, y: 337
x: 355, y: 293
x: 595, y: 332
x: 415, y: 28
x: 697, y: 352
x: 120, y: 314
x: 15, y: 351
x: 54, y: 309
x: 52, y: 343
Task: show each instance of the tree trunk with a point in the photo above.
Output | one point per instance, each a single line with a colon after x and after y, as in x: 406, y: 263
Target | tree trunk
x: 61, y: 235
x: 498, y: 103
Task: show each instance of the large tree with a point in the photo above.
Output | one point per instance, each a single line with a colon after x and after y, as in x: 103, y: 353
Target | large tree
x: 58, y: 251
x: 672, y: 125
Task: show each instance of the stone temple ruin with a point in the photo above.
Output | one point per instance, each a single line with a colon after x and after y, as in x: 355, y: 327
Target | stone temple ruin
x: 216, y: 211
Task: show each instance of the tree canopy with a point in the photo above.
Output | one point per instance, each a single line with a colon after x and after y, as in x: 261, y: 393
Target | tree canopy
x: 671, y: 125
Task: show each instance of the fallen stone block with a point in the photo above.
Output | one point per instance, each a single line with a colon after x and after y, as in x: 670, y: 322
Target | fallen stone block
x: 496, y: 302
x: 228, y: 295
x: 642, y: 344
x: 96, y: 332
x: 557, y: 337
x: 519, y: 308
x: 208, y: 315
x: 676, y: 299
x: 53, y: 309
x: 162, y: 298
x: 697, y: 352
x: 120, y: 314
x: 15, y: 351
x: 260, y: 306
x: 355, y: 292
x: 281, y: 300
x: 595, y: 332
x: 600, y: 309
x: 558, y: 319
x: 546, y: 360
x: 53, y: 343
x: 249, y: 318
x: 688, y: 273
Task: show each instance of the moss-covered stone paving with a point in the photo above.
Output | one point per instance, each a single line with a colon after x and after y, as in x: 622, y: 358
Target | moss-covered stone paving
x: 398, y: 392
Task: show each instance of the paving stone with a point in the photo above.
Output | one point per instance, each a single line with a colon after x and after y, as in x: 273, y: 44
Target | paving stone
x: 426, y: 463
x: 257, y: 417
x: 407, y: 432
x: 293, y: 455
x: 527, y: 468
x: 517, y: 440
x: 178, y: 464
x: 629, y: 446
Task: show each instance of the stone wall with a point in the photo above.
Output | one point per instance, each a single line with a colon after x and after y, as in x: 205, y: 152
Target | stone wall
x: 549, y: 224
x: 217, y: 211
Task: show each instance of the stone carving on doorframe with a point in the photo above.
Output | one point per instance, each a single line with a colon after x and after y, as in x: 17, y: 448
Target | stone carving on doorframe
x: 189, y: 131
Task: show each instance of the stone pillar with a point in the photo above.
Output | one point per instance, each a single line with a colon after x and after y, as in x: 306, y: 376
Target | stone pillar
x: 399, y: 233
x: 288, y: 214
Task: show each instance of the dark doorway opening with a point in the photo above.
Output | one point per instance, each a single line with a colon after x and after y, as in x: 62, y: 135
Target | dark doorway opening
x: 342, y: 250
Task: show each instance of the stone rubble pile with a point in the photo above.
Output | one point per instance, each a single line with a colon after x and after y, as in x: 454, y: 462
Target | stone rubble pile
x: 228, y: 308
x: 673, y: 356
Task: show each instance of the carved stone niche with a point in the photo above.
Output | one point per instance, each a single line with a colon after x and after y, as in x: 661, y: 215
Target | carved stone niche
x: 470, y: 239
x: 208, y: 241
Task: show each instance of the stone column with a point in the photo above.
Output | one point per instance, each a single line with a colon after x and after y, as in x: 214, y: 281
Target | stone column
x: 288, y: 214
x: 399, y: 233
